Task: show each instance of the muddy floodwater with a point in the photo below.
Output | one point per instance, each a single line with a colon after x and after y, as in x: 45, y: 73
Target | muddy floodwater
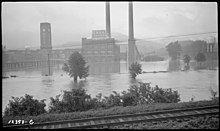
x: 192, y: 83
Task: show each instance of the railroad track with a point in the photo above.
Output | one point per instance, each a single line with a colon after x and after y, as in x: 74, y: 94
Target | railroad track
x: 124, y: 119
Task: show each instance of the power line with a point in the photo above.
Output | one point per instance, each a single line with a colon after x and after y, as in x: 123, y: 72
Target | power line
x: 178, y: 36
x: 165, y: 37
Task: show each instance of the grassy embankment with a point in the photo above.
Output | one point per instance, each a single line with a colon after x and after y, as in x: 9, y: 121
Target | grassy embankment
x: 48, y: 117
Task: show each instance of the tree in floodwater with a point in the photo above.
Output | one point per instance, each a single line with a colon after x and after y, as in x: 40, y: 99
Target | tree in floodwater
x: 186, y: 59
x: 76, y: 66
x: 174, y: 49
x: 135, y: 69
x: 200, y: 57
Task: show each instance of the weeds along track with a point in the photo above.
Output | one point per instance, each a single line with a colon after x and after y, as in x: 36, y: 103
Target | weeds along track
x: 106, y: 121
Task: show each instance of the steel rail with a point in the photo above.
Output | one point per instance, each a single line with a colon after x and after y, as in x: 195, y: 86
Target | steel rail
x: 123, y: 119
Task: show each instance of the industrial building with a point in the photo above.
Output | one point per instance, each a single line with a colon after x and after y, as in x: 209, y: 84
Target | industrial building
x: 100, y: 52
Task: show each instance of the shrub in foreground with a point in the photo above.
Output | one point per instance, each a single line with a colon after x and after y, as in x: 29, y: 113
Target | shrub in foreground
x: 111, y: 111
x: 77, y: 100
x: 25, y: 106
x: 142, y: 93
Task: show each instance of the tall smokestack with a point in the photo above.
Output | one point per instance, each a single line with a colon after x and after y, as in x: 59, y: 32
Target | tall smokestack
x: 131, y: 28
x: 108, y: 27
x: 131, y: 41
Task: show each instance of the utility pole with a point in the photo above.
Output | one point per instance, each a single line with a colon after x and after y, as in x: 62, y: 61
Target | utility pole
x: 49, y: 64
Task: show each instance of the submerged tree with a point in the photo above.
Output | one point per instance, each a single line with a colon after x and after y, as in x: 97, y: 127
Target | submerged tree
x: 186, y: 59
x: 174, y: 49
x: 200, y: 57
x: 135, y: 69
x: 76, y: 66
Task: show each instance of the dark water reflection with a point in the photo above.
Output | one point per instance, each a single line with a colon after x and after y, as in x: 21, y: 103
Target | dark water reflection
x: 174, y: 65
x: 104, y: 67
x: 186, y: 67
x: 77, y: 85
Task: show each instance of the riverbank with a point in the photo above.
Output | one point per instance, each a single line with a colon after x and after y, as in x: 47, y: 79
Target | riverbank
x: 112, y: 111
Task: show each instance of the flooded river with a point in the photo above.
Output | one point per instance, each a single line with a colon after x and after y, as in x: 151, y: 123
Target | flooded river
x: 193, y: 83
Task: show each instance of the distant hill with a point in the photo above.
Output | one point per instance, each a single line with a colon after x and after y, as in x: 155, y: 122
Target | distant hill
x: 190, y: 47
x: 186, y: 46
x: 119, y: 37
x: 162, y: 52
x: 69, y: 44
x: 145, y: 47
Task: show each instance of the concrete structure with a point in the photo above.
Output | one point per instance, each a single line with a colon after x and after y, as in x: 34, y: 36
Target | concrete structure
x: 100, y: 51
x: 102, y: 48
x: 29, y: 59
x: 101, y: 54
x: 108, y: 21
x: 4, y: 60
x: 99, y: 34
x: 43, y: 58
x: 46, y: 46
x: 212, y: 50
x: 45, y: 36
x: 131, y: 42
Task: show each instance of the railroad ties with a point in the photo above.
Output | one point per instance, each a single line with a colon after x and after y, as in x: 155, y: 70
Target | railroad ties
x: 104, y: 122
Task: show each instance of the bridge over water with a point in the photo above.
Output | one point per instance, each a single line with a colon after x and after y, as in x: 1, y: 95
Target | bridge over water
x: 31, y: 64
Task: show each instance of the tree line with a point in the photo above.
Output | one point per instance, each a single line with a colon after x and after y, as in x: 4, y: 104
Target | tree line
x: 199, y: 47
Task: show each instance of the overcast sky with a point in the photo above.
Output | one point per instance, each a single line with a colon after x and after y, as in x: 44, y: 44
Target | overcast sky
x: 70, y: 21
